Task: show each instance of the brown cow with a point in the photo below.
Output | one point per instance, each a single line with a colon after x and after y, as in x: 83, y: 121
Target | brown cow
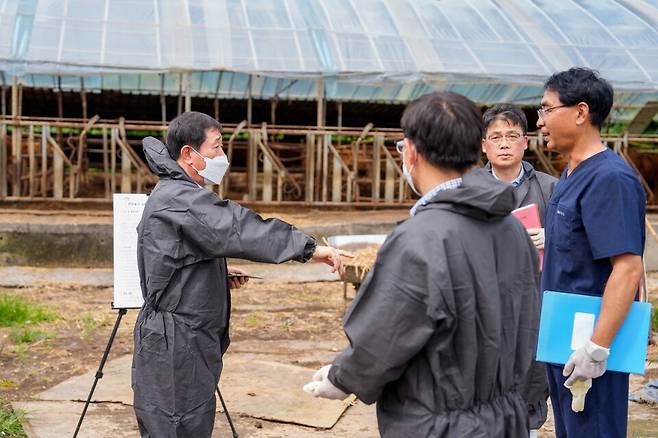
x: 647, y: 164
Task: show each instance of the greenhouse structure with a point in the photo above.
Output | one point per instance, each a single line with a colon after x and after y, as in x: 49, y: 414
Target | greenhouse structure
x: 68, y: 68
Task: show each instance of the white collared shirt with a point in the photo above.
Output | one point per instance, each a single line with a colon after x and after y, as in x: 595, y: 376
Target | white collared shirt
x: 517, y: 181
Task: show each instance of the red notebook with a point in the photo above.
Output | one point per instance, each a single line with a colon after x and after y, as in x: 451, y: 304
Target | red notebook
x: 529, y: 217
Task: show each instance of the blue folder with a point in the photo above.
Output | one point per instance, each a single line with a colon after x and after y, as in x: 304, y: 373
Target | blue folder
x: 567, y: 320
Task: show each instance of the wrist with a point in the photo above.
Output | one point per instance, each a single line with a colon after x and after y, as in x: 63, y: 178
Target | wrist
x: 333, y: 378
x: 309, y: 249
x: 597, y: 352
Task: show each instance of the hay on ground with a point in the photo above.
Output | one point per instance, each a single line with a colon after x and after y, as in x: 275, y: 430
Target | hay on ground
x: 362, y: 261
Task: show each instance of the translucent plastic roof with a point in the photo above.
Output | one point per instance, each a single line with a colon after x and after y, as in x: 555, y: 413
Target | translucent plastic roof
x: 388, y: 49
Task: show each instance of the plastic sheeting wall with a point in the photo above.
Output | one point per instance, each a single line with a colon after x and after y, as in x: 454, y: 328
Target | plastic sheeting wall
x: 379, y: 50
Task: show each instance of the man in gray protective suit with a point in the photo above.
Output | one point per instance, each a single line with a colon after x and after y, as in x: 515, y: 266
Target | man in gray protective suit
x: 504, y: 142
x: 185, y: 235
x: 443, y: 330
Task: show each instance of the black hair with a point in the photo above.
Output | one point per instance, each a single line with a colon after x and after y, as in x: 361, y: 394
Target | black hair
x: 583, y: 85
x: 506, y: 112
x: 189, y: 129
x: 446, y: 128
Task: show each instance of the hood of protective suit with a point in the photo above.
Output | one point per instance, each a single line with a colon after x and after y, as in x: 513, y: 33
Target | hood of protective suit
x: 160, y: 162
x: 480, y: 197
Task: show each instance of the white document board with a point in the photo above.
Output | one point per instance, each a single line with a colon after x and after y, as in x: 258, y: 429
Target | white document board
x: 128, y: 210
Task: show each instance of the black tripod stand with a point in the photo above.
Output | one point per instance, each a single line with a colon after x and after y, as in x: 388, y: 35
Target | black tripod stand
x: 99, y: 375
x: 228, y: 417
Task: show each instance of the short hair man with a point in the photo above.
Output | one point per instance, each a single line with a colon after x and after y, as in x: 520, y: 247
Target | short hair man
x: 443, y: 329
x: 504, y: 143
x: 185, y: 235
x: 594, y: 244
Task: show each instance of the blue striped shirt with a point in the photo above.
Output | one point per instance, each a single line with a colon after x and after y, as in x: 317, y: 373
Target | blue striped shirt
x: 448, y: 185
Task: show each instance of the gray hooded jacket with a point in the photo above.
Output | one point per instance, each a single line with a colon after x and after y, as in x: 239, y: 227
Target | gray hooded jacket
x: 537, y: 187
x: 444, y: 328
x: 185, y: 234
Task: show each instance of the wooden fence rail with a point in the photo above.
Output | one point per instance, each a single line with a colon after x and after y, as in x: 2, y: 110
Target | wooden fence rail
x: 73, y: 160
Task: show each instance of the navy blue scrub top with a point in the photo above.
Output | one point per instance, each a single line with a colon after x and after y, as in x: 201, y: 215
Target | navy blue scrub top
x: 595, y: 213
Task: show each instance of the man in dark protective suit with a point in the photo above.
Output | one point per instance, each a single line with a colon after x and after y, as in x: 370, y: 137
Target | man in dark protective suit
x: 443, y: 329
x: 185, y: 235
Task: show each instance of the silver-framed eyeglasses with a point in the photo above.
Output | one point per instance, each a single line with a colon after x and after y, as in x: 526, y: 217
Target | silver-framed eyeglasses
x: 511, y: 137
x: 543, y: 112
x: 399, y: 146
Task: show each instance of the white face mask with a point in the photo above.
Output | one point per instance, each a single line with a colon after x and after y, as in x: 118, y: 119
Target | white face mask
x: 407, y: 175
x: 215, y: 168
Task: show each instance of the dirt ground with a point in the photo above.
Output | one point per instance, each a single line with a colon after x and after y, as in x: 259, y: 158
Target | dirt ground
x: 272, y: 314
x: 266, y: 312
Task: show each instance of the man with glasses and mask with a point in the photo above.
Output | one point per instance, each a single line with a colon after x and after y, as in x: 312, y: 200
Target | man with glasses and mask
x: 443, y: 329
x: 185, y: 235
x: 594, y: 245
x: 505, y: 140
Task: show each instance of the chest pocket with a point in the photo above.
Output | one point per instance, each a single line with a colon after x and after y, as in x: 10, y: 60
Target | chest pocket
x: 564, y: 228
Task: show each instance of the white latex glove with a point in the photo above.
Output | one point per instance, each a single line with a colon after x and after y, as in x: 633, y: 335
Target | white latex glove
x: 581, y: 366
x: 578, y: 392
x: 321, y: 386
x: 537, y: 236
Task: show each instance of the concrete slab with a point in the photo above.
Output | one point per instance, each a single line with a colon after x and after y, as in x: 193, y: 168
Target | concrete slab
x: 292, y: 272
x: 113, y: 387
x: 56, y: 419
x: 359, y: 421
x: 23, y: 276
x: 272, y: 391
x: 256, y: 388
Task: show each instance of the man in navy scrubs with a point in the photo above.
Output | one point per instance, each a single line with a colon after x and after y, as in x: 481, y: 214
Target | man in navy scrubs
x: 594, y: 244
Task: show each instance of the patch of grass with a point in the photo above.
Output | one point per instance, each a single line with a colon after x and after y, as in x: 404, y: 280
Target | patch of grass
x: 654, y: 318
x: 90, y: 323
x: 28, y: 336
x: 16, y: 311
x: 11, y: 423
x: 7, y: 384
x: 20, y: 350
x: 253, y: 320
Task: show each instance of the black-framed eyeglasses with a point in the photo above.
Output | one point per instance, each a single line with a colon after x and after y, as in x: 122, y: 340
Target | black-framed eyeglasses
x: 399, y: 146
x: 542, y: 112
